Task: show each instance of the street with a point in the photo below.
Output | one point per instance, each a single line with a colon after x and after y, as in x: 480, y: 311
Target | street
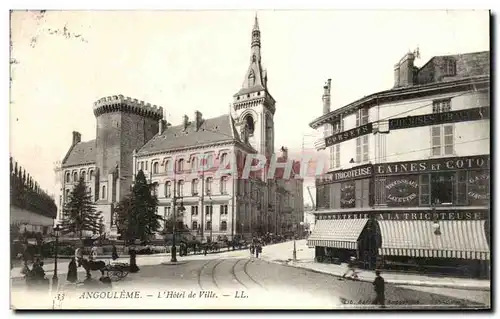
x: 243, y: 282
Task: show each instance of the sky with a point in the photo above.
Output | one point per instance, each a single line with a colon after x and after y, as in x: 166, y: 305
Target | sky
x: 196, y: 60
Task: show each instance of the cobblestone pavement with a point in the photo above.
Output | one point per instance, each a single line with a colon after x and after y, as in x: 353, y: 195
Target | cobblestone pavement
x: 245, y: 283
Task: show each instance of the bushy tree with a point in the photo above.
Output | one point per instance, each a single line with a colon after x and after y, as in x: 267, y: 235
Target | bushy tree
x: 136, y: 214
x: 79, y: 212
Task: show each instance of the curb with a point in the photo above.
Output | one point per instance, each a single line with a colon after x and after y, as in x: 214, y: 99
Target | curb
x: 394, y: 282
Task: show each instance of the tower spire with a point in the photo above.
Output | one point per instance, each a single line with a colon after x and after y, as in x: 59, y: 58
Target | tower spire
x: 256, y: 24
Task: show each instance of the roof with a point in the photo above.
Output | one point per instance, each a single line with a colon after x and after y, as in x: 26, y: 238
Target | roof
x: 473, y: 69
x: 81, y: 153
x: 214, y: 130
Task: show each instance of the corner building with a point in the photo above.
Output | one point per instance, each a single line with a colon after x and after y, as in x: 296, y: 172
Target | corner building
x: 408, y: 186
x: 133, y: 135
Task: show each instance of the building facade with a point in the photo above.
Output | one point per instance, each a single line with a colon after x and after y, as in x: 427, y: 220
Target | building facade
x: 184, y: 161
x: 409, y: 169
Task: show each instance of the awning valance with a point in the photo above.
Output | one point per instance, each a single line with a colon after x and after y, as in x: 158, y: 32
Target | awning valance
x: 337, y: 233
x: 462, y: 239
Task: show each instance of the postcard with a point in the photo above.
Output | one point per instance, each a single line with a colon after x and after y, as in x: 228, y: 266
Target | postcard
x: 250, y: 159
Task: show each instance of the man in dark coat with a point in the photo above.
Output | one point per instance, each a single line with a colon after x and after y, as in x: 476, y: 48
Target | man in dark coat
x: 379, y: 286
x: 72, y: 271
x: 114, y: 253
x: 133, y: 262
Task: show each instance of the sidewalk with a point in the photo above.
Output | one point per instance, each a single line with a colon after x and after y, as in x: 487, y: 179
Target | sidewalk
x: 283, y: 253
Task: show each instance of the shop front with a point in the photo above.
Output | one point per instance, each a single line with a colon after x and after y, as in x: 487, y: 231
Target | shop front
x: 434, y: 214
x: 334, y: 238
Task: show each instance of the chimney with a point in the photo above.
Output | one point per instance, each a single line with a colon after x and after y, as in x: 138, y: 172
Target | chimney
x: 404, y: 71
x: 162, y: 125
x: 197, y: 119
x: 326, y: 96
x: 77, y: 137
x: 185, y: 122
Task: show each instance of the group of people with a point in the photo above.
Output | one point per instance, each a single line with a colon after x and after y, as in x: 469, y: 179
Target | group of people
x: 256, y: 247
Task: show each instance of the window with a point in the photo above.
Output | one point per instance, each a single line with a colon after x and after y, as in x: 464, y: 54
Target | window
x: 209, y: 163
x: 180, y: 188
x: 194, y: 187
x: 166, y: 213
x: 442, y: 188
x: 223, y: 210
x: 155, y: 168
x: 450, y: 67
x: 223, y: 226
x: 442, y: 137
x: 425, y: 189
x: 91, y: 175
x: 208, y: 187
x: 208, y: 225
x: 195, y: 225
x: 75, y: 177
x: 84, y: 176
x: 208, y: 210
x: 167, y: 166
x: 361, y: 149
x: 146, y: 166
x: 194, y: 164
x: 103, y: 195
x: 194, y: 210
x: 223, y: 161
x: 67, y: 177
x: 154, y: 191
x: 180, y: 165
x: 461, y: 188
x: 362, y: 117
x: 250, y: 124
x: 223, y: 185
x: 168, y: 189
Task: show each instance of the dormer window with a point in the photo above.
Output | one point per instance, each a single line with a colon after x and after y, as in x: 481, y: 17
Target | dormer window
x: 450, y: 67
x: 251, y: 78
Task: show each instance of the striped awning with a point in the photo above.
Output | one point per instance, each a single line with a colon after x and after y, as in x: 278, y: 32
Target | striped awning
x: 337, y: 233
x: 462, y: 239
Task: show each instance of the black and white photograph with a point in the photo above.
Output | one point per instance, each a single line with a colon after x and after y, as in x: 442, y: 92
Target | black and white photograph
x: 250, y: 159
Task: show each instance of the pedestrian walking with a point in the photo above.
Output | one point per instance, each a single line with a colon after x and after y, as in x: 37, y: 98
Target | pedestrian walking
x: 114, y: 252
x: 72, y: 271
x: 258, y: 250
x: 379, y: 286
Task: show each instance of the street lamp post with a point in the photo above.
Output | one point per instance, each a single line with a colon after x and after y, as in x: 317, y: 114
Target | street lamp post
x: 294, y: 242
x: 174, y: 248
x: 56, y: 245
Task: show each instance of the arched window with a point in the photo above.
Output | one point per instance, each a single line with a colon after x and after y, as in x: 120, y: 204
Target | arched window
x: 194, y: 164
x: 250, y: 124
x: 194, y: 187
x: 208, y: 225
x: 209, y: 161
x: 208, y: 186
x: 84, y: 176
x: 223, y: 161
x: 168, y: 168
x: 180, y: 165
x: 75, y: 177
x: 154, y: 190
x: 223, y: 226
x: 155, y: 168
x: 223, y: 185
x: 68, y: 176
x: 180, y: 188
x: 103, y: 195
x: 195, y: 225
x: 91, y: 175
x: 168, y: 189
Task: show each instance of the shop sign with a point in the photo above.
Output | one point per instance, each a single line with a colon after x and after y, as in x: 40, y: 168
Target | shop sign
x: 358, y: 172
x: 402, y: 191
x: 473, y: 114
x: 433, y: 165
x: 349, y: 135
x: 405, y: 215
x: 348, y: 195
x: 479, y: 184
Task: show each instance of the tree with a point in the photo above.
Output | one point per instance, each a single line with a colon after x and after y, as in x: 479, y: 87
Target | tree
x: 136, y: 214
x: 79, y: 212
